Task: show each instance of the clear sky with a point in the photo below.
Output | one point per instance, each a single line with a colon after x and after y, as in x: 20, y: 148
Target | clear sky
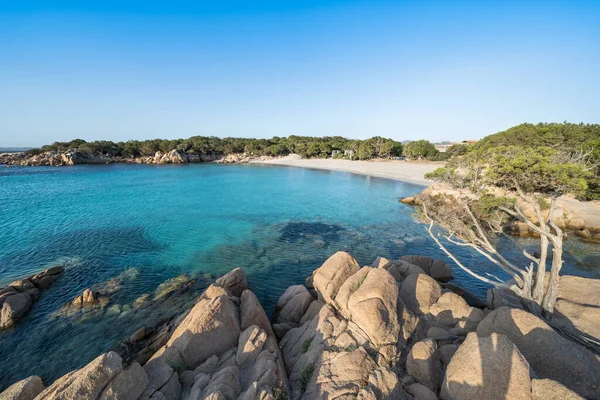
x: 441, y: 70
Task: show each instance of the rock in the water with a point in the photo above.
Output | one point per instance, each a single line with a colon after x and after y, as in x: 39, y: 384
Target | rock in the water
x: 419, y: 292
x: 138, y: 335
x: 292, y: 305
x: 26, y: 389
x: 487, y: 368
x: 86, y: 383
x: 550, y: 355
x: 13, y: 308
x: 424, y: 365
x: 332, y: 274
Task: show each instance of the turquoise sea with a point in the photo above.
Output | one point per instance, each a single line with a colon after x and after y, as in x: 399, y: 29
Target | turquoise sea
x: 152, y: 223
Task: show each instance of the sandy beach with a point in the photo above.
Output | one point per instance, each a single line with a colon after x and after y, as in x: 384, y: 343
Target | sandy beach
x: 406, y: 171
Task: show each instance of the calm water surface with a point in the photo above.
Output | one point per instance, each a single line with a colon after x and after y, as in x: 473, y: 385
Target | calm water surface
x: 147, y: 224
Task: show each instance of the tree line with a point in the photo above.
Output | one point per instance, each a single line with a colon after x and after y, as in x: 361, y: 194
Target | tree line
x: 305, y: 146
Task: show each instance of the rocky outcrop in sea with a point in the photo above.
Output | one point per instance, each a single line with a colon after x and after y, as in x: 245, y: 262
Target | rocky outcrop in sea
x: 74, y: 157
x: 394, y: 330
x: 17, y: 298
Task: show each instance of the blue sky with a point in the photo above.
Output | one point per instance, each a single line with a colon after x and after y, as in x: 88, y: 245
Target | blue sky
x: 441, y: 70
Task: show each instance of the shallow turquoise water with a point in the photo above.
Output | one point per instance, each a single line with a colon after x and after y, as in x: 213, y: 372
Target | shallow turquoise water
x: 278, y: 223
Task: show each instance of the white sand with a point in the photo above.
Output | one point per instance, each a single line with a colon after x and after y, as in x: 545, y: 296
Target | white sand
x: 406, y: 171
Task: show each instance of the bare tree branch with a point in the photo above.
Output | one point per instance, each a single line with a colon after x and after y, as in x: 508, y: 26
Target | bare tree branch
x: 443, y: 248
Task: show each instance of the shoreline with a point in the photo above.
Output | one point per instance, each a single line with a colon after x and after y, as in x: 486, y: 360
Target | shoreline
x: 412, y: 172
x: 404, y: 171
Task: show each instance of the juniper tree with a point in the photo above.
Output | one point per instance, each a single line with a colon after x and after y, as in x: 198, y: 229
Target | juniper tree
x: 475, y: 210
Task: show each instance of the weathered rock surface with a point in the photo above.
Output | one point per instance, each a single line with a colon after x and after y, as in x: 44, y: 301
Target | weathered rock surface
x: 546, y: 389
x: 26, y: 389
x: 332, y: 274
x: 419, y: 292
x: 424, y: 365
x: 550, y: 355
x: 487, y: 368
x: 384, y: 332
x: 86, y: 383
x: 578, y: 305
x: 18, y: 297
x: 437, y: 269
x: 421, y: 392
x: 292, y: 305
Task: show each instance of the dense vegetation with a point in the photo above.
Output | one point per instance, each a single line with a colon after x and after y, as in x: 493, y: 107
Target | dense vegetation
x: 564, y: 136
x: 308, y: 147
x: 548, y: 151
x: 532, y: 165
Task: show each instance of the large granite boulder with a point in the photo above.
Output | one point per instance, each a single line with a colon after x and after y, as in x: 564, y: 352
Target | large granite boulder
x: 252, y: 313
x: 546, y: 389
x: 424, y: 365
x: 234, y: 282
x: 577, y: 306
x: 487, y: 368
x: 550, y: 355
x: 13, y: 308
x: 292, y: 305
x: 399, y: 269
x: 383, y: 385
x: 215, y: 321
x: 437, y: 269
x: 419, y: 292
x: 369, y: 298
x: 86, y: 383
x: 340, y: 374
x: 332, y: 274
x: 128, y: 385
x: 26, y: 389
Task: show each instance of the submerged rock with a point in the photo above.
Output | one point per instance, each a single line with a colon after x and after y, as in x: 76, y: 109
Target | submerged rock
x: 17, y: 298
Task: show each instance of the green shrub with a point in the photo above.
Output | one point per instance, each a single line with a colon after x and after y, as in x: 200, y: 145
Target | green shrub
x: 305, y: 376
x: 279, y: 394
x: 306, y: 345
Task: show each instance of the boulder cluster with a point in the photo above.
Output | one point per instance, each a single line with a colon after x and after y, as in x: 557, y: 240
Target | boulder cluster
x: 393, y: 330
x: 54, y: 158
x: 74, y: 157
x: 17, y: 297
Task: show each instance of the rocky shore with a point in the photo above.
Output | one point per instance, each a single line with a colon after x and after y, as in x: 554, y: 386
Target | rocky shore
x: 52, y: 158
x: 394, y: 330
x: 582, y: 218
